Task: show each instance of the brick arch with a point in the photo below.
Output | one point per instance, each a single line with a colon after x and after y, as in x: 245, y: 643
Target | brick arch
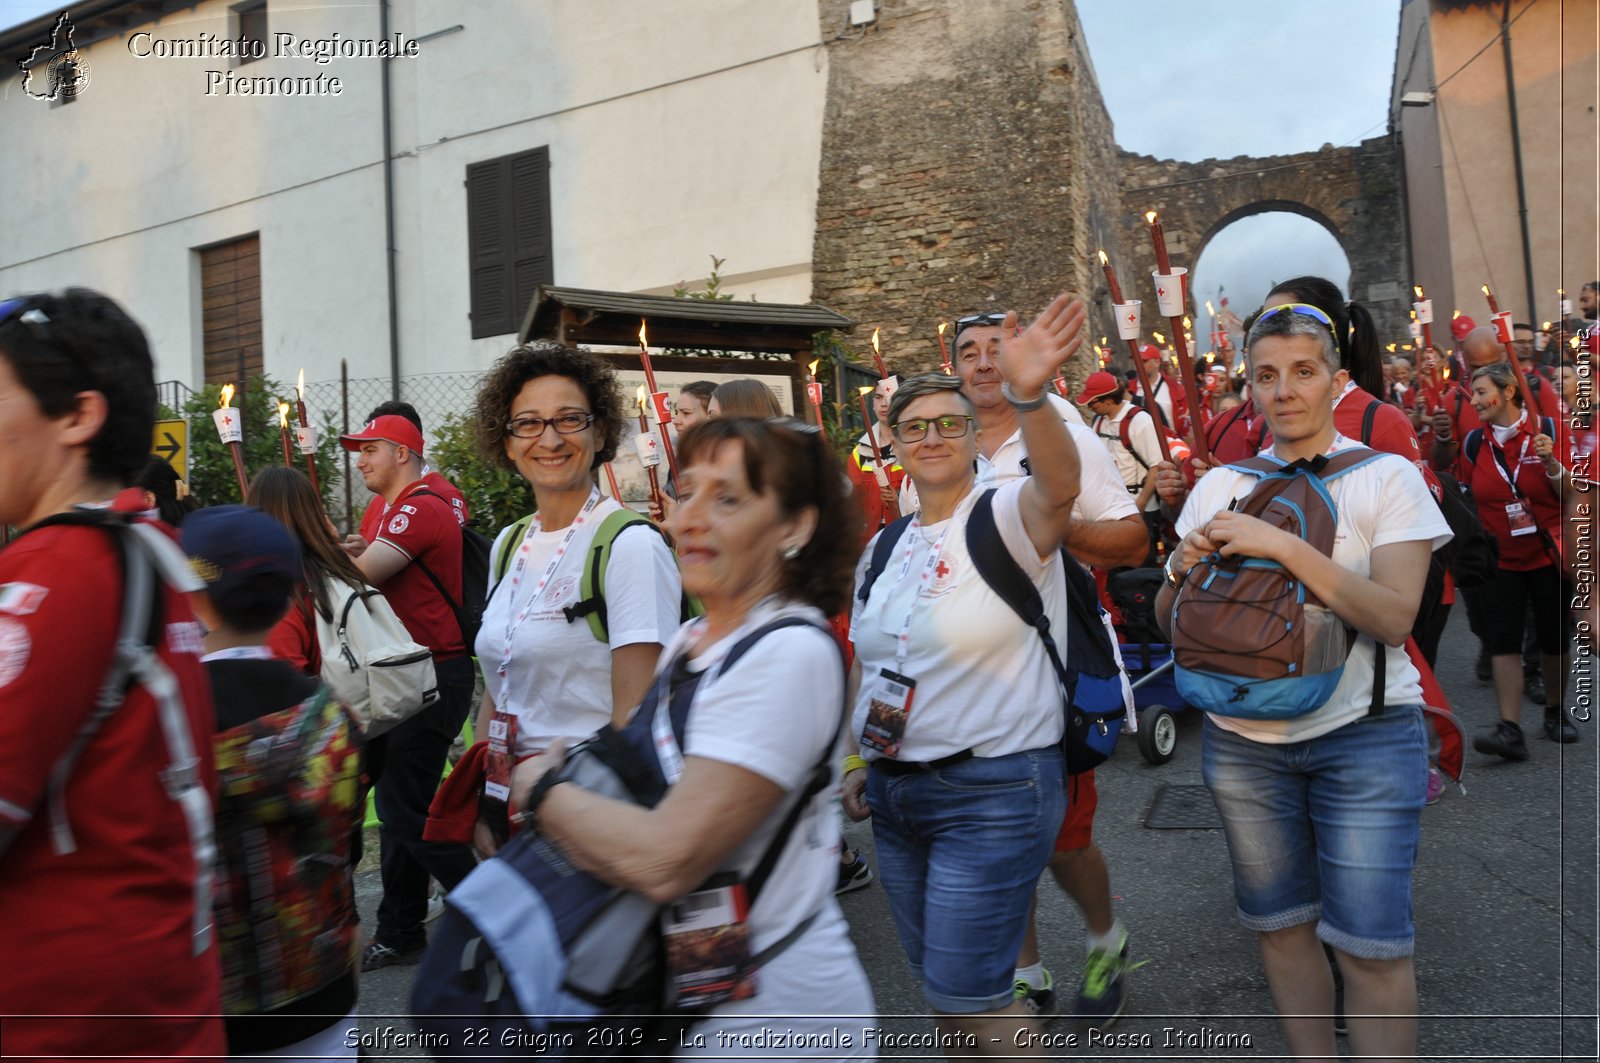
x: 1353, y: 192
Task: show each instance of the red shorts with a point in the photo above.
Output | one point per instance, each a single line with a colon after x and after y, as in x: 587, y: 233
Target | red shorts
x: 1082, y: 799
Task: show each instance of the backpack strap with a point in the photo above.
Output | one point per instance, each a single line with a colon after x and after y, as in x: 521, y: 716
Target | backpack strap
x: 1007, y: 579
x: 1125, y: 431
x: 508, y: 547
x: 455, y: 606
x: 1368, y: 417
x: 591, y: 603
x: 1472, y: 444
x: 882, y: 550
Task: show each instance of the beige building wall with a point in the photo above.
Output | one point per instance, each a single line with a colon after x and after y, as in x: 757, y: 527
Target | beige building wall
x: 1460, y: 165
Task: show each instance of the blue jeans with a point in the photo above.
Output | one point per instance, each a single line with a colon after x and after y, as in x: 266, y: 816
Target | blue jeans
x: 412, y: 758
x: 1326, y: 829
x: 959, y: 852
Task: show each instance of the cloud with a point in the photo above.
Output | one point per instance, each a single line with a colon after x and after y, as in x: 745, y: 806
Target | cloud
x: 1250, y: 255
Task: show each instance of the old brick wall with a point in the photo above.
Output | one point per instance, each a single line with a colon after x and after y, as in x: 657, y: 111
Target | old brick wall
x: 967, y: 164
x: 1353, y: 192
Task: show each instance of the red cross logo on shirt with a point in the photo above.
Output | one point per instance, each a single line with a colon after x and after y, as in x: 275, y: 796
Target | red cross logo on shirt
x: 943, y: 570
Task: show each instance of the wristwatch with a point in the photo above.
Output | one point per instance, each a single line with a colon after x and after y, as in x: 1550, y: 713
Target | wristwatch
x: 1024, y: 405
x: 547, y: 781
x: 1174, y: 579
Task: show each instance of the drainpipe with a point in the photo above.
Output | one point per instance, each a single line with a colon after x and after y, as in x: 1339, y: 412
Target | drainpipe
x: 388, y: 210
x: 1516, y: 155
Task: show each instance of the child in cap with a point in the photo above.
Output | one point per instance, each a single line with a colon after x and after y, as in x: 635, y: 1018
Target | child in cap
x: 288, y: 759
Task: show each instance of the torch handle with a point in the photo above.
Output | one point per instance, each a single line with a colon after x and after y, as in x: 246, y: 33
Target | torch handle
x: 1191, y: 388
x: 237, y: 450
x: 1145, y: 387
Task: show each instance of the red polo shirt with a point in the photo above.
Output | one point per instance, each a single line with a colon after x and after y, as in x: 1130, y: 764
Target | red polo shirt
x: 1490, y: 478
x: 422, y: 526
x: 109, y: 927
x: 372, y: 518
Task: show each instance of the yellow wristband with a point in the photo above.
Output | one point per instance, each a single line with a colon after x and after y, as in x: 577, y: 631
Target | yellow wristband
x: 851, y: 763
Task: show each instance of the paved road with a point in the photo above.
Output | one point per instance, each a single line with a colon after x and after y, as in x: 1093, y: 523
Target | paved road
x: 1506, y: 905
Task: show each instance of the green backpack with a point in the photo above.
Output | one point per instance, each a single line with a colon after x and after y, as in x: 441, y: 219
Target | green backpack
x: 591, y: 603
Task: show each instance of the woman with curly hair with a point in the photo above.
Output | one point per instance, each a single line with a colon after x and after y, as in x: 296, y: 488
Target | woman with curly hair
x: 554, y: 415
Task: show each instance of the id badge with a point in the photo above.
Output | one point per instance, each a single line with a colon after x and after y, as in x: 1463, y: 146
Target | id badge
x: 501, y: 760
x: 1520, y: 519
x: 708, y: 946
x: 890, y: 703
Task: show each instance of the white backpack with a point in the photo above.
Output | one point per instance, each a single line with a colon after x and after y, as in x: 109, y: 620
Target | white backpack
x: 370, y: 662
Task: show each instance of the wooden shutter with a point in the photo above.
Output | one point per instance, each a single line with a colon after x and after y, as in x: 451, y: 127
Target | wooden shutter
x: 230, y: 314
x: 508, y: 238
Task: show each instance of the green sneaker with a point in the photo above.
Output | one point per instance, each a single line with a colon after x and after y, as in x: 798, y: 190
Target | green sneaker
x: 1040, y: 1001
x: 1104, y: 992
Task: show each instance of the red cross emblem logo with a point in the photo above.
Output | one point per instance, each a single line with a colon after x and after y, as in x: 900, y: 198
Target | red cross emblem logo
x: 943, y: 570
x: 227, y: 420
x: 1131, y: 319
x: 1161, y: 292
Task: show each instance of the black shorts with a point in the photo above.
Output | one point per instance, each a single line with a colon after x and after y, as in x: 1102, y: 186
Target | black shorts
x: 1505, y: 604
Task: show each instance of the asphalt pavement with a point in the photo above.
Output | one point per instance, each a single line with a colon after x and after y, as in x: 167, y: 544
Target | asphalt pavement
x: 1505, y: 899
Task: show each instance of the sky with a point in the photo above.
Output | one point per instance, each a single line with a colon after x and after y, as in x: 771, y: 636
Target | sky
x: 1199, y: 79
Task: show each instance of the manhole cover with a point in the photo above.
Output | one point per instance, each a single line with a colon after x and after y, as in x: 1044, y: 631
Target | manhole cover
x: 1183, y: 808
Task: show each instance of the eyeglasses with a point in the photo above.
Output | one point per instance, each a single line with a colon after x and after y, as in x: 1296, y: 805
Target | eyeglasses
x: 1303, y: 309
x: 950, y: 426
x: 565, y: 424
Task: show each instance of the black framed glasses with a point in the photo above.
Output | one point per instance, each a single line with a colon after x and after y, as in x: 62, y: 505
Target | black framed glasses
x: 565, y: 424
x: 1303, y: 309
x: 915, y: 429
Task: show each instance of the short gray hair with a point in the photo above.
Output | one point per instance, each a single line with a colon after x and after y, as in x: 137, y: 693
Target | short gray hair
x: 921, y: 386
x: 1294, y: 324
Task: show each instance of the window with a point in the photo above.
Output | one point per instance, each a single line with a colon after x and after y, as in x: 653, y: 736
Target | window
x: 230, y: 310
x: 508, y: 238
x: 250, y: 30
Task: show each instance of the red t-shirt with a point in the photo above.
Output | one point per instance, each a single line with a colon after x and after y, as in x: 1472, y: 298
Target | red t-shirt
x: 1491, y: 489
x: 294, y: 638
x: 372, y: 517
x: 110, y: 927
x: 423, y: 527
x: 864, y: 484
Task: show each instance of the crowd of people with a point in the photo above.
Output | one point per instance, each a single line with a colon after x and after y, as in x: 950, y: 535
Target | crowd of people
x: 181, y: 796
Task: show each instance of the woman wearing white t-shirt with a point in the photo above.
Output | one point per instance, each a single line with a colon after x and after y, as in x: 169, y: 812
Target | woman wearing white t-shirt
x: 959, y: 711
x: 1323, y: 811
x: 554, y: 415
x: 766, y: 533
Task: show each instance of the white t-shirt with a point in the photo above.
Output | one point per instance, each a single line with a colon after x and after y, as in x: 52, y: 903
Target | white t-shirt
x: 775, y: 712
x: 559, y: 682
x: 1101, y: 492
x: 984, y: 681
x: 1142, y: 434
x: 1382, y: 502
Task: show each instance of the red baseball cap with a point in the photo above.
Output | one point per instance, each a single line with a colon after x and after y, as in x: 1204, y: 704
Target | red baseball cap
x: 1461, y: 326
x: 1099, y: 383
x: 1149, y: 352
x: 390, y: 428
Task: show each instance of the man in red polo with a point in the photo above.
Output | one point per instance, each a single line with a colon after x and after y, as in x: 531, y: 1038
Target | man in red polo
x: 417, y: 534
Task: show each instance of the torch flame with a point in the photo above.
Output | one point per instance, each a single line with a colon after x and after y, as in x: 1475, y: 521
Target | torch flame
x: 1561, y: 293
x: 1187, y: 324
x: 874, y: 341
x: 1211, y: 357
x: 283, y: 415
x: 1546, y: 326
x: 1485, y: 288
x: 865, y: 389
x: 1159, y: 338
x: 812, y: 368
x: 1418, y: 289
x: 1413, y: 315
x: 642, y: 399
x: 1454, y: 314
x: 1209, y: 310
x: 1391, y: 348
x: 300, y: 388
x: 941, y: 328
x: 1103, y: 259
x: 227, y: 396
x: 1150, y: 216
x: 642, y: 341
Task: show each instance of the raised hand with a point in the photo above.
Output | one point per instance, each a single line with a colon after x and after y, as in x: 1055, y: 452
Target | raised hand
x: 1030, y: 359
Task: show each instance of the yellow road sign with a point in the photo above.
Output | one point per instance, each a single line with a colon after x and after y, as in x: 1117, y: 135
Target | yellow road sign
x: 171, y: 445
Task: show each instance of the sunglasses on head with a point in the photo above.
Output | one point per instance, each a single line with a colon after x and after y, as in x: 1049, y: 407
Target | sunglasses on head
x: 1303, y: 309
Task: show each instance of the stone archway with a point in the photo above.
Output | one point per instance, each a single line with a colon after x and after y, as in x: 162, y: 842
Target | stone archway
x: 1354, y: 193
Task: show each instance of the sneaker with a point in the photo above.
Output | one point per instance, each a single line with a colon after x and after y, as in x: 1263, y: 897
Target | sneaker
x: 435, y: 908
x: 853, y: 876
x: 377, y: 955
x: 1104, y: 992
x: 1504, y: 741
x: 1482, y: 669
x: 1533, y: 687
x: 1557, y: 727
x: 1435, y: 784
x: 1040, y: 1002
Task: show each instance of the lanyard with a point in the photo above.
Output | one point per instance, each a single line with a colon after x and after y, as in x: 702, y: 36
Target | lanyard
x: 1502, y: 466
x: 534, y: 527
x: 930, y: 564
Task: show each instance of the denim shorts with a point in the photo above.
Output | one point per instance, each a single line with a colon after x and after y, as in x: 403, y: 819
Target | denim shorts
x: 1326, y: 829
x: 960, y: 850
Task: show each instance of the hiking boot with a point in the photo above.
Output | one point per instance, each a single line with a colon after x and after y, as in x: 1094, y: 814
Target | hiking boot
x: 1482, y: 669
x: 1533, y: 687
x: 1504, y: 741
x: 1557, y: 727
x: 377, y: 955
x: 1040, y: 1002
x: 853, y: 876
x: 1104, y: 991
x: 1435, y: 785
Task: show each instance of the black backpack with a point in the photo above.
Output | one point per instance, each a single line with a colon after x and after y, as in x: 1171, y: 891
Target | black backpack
x: 1091, y: 678
x: 533, y: 951
x: 474, y: 580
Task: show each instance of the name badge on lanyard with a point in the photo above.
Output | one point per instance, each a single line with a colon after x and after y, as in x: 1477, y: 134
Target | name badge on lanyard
x: 708, y: 945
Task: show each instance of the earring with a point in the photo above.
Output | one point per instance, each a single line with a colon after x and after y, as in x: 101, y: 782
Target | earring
x: 791, y: 552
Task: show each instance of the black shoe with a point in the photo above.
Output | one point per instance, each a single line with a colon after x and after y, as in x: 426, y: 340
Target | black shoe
x: 1483, y: 670
x: 1557, y: 727
x: 853, y: 876
x: 1504, y: 741
x: 1533, y: 688
x: 377, y: 955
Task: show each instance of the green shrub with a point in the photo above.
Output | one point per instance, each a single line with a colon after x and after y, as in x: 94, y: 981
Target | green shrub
x: 496, y: 496
x: 211, y: 475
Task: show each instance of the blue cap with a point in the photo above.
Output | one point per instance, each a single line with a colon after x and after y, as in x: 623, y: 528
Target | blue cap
x: 244, y: 557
